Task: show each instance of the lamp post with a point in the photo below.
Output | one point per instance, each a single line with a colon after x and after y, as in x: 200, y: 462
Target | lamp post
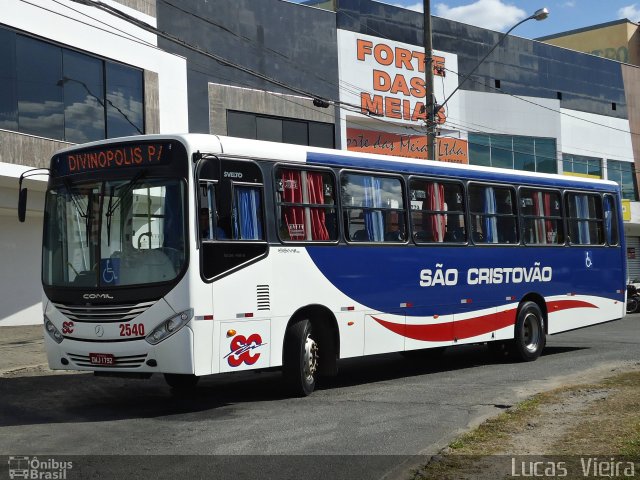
x: 539, y: 14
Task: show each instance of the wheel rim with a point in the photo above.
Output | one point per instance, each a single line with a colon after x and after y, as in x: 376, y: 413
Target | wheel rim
x: 310, y: 359
x: 531, y: 333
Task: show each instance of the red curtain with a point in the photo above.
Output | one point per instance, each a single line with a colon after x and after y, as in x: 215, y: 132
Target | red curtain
x: 299, y: 226
x: 435, y: 191
x: 315, y: 188
x: 292, y: 193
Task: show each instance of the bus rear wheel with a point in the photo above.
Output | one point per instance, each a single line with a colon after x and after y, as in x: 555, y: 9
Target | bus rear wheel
x: 529, y: 338
x: 181, y: 382
x: 300, y: 358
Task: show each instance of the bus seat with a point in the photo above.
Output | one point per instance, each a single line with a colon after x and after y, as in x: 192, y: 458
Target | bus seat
x: 360, y: 236
x: 394, y: 236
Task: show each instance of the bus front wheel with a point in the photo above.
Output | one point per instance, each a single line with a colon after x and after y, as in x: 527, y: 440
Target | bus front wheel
x: 529, y: 338
x: 300, y: 358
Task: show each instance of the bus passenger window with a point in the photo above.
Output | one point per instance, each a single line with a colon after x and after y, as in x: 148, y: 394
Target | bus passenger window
x: 493, y: 216
x: 247, y: 213
x: 585, y: 219
x: 611, y: 220
x: 437, y: 212
x: 306, y: 206
x: 373, y: 209
x: 542, y: 217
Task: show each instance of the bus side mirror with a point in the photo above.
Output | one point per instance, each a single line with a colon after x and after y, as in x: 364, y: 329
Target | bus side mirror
x: 22, y: 204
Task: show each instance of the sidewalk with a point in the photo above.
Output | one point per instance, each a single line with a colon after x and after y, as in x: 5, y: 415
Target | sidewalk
x: 21, y: 348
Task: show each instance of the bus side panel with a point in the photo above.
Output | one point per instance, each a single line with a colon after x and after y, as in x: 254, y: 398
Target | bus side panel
x: 480, y: 286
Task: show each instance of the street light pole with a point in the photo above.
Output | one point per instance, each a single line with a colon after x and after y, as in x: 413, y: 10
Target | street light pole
x: 539, y: 14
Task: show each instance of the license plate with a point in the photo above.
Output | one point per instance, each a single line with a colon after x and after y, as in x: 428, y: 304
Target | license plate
x: 102, y: 359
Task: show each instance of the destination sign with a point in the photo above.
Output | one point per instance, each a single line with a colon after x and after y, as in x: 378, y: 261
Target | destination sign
x: 113, y: 158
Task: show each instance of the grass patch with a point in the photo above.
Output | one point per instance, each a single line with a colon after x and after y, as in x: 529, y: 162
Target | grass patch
x: 596, y: 420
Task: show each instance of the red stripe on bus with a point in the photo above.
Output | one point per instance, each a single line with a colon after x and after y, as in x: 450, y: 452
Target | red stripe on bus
x: 471, y: 327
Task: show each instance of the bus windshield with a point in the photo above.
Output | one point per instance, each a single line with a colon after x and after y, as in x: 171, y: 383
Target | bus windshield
x: 112, y: 233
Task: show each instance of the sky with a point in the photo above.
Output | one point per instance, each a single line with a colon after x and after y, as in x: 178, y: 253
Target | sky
x: 500, y: 15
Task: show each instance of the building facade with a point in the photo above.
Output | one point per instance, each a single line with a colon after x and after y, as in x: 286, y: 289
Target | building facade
x: 71, y: 74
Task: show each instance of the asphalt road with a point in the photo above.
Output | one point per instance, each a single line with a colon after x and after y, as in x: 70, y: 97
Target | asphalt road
x: 382, y: 411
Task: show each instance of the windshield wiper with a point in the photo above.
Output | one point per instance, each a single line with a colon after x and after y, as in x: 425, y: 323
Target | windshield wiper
x: 75, y: 200
x: 79, y: 210
x: 112, y: 206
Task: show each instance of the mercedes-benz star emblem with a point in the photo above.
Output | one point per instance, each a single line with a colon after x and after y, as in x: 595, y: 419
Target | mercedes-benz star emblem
x: 99, y: 330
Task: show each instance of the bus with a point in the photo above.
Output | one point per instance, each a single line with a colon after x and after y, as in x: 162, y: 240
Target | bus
x: 193, y: 255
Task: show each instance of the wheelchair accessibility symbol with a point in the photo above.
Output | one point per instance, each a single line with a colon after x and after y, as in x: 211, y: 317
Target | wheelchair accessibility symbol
x: 587, y: 260
x: 110, y: 270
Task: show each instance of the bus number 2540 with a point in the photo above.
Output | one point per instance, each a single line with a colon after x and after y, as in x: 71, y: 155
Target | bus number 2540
x: 135, y: 330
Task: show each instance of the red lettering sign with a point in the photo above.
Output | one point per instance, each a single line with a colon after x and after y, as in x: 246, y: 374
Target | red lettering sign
x: 121, y: 156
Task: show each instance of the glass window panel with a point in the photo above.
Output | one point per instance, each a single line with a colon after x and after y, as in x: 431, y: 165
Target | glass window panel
x: 567, y: 163
x: 611, y: 220
x: 585, y: 219
x: 542, y: 222
x: 269, y: 129
x: 83, y: 97
x: 501, y: 151
x: 297, y: 190
x: 493, y: 217
x: 106, y: 234
x: 546, y: 155
x: 295, y: 132
x: 321, y: 135
x: 479, y: 151
x: 369, y: 191
x: 622, y: 173
x: 582, y: 164
x: 39, y: 77
x: 8, y: 84
x: 524, y: 161
x: 595, y: 167
x: 242, y: 125
x: 374, y: 208
x: 125, y: 100
x: 428, y: 198
x: 247, y: 213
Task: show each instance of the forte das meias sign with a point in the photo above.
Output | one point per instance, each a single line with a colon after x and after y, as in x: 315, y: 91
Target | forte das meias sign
x: 385, y: 80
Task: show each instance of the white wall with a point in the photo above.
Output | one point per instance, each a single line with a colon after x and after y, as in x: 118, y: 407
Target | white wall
x: 21, y: 291
x: 596, y: 136
x: 504, y: 114
x: 97, y: 32
x: 20, y: 247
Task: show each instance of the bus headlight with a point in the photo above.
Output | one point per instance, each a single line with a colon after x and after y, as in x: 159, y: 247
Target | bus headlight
x: 169, y: 327
x: 52, y: 331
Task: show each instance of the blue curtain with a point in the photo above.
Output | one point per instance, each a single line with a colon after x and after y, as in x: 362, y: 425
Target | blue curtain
x: 373, y: 219
x: 582, y: 211
x: 490, y: 221
x: 247, y: 223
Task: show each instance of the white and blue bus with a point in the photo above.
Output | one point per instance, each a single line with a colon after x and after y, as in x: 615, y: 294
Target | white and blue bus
x: 193, y: 255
